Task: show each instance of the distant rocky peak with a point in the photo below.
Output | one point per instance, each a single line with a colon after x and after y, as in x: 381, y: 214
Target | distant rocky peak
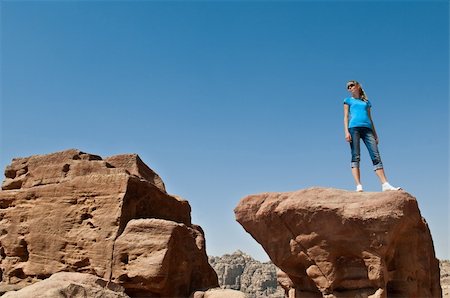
x: 239, y: 271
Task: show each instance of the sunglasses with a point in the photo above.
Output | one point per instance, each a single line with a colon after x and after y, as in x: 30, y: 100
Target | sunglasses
x: 350, y: 86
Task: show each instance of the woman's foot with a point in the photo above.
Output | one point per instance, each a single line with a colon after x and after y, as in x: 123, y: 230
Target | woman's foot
x: 386, y: 186
x: 359, y: 188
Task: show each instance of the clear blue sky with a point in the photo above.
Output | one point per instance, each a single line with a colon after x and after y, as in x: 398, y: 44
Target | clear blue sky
x: 229, y: 98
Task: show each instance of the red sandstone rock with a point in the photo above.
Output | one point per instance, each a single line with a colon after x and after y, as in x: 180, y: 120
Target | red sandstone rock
x: 67, y: 210
x: 169, y: 262
x: 335, y: 243
x: 135, y: 166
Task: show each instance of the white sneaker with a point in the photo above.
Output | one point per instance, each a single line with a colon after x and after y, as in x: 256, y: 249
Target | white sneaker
x: 386, y: 186
x: 359, y: 188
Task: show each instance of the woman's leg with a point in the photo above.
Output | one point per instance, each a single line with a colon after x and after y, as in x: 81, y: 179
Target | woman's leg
x: 371, y: 144
x: 356, y: 154
x: 381, y: 175
x: 356, y: 175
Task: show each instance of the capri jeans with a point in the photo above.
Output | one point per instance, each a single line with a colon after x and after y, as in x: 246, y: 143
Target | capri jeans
x: 366, y: 134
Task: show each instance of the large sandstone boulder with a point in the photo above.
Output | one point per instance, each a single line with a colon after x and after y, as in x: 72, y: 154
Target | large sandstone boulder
x: 170, y: 261
x: 73, y: 211
x: 335, y: 243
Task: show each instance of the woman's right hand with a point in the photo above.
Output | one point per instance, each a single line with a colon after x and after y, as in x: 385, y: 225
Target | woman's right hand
x: 348, y: 137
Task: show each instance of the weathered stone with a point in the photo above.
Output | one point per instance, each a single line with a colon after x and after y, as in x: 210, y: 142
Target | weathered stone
x: 335, y: 243
x: 70, y: 284
x: 135, y: 166
x: 160, y: 256
x: 64, y: 212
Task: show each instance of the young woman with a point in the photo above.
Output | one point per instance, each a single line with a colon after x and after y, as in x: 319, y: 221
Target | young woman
x: 358, y: 124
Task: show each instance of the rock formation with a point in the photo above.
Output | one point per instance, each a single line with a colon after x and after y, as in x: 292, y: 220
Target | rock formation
x: 112, y: 218
x: 335, y: 243
x: 241, y: 272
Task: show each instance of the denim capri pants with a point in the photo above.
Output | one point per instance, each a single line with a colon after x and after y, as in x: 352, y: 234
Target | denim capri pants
x: 366, y: 134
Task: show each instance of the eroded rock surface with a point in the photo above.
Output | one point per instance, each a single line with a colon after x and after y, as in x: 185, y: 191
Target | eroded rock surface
x: 335, y: 243
x: 73, y: 211
x: 170, y: 261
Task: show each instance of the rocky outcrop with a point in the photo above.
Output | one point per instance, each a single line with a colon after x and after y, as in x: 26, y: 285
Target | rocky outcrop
x: 73, y: 211
x: 239, y: 271
x: 335, y: 243
x: 155, y: 254
x: 70, y: 284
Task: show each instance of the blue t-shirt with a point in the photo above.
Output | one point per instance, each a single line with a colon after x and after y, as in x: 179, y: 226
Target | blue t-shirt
x: 359, y: 115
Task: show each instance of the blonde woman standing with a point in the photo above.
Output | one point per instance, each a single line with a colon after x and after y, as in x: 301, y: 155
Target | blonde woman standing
x: 358, y: 124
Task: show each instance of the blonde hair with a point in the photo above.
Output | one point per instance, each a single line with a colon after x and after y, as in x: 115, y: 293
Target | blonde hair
x: 361, y: 90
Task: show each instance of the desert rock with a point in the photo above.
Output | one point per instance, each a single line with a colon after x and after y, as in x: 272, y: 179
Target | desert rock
x: 336, y: 243
x: 170, y: 261
x: 73, y: 211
